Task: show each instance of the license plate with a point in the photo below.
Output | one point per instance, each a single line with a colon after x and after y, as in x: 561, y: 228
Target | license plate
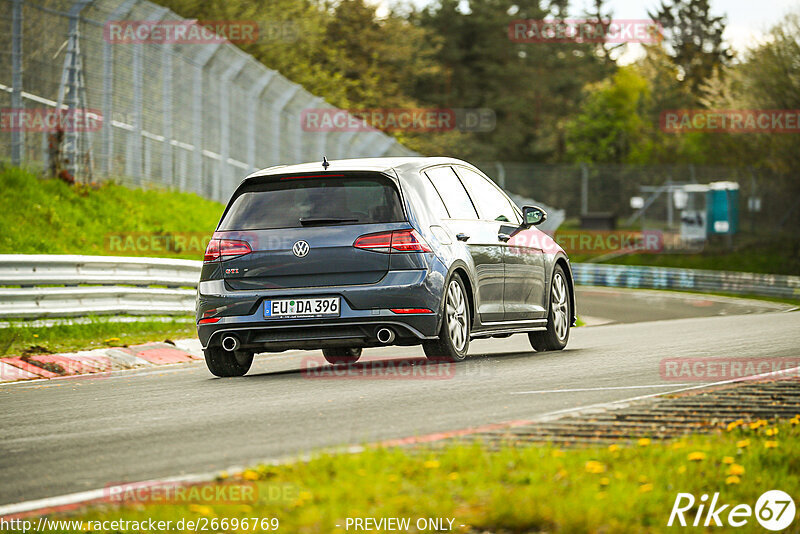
x: 289, y: 308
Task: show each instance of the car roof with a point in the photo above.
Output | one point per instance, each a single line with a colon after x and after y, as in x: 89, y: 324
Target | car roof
x: 400, y: 164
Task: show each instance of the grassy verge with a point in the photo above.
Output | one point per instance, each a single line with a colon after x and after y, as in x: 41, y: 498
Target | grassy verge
x: 526, y: 489
x: 22, y: 339
x: 51, y: 217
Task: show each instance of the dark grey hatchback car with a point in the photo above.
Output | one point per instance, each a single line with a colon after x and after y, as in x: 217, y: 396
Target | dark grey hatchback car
x: 370, y: 252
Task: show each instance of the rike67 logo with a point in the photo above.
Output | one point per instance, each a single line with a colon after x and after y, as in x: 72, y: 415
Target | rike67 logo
x: 774, y: 510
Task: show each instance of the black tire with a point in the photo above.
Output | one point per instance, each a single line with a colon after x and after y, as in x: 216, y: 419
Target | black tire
x: 224, y: 363
x: 559, y: 318
x: 342, y: 355
x: 452, y: 344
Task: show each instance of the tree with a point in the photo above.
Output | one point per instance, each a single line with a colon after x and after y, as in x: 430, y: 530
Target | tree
x: 693, y: 38
x: 610, y: 123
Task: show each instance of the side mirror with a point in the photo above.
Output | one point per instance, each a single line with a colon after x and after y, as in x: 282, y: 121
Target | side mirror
x: 533, y: 215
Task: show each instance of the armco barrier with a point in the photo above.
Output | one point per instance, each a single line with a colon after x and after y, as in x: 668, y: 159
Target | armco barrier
x: 635, y: 276
x: 64, y: 286
x: 34, y: 286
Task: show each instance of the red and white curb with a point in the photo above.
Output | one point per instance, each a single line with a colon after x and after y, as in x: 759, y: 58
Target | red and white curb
x: 98, y: 362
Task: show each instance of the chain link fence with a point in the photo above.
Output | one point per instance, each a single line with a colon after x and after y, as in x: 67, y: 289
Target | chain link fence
x: 765, y: 202
x: 189, y: 116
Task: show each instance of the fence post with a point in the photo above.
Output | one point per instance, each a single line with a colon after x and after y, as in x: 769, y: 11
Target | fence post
x: 343, y: 146
x: 584, y: 189
x: 17, y: 135
x: 166, y: 119
x: 197, y: 114
x: 321, y: 148
x: 108, y: 86
x: 224, y: 124
x: 275, y: 114
x: 254, y: 97
x: 141, y: 173
x: 382, y: 146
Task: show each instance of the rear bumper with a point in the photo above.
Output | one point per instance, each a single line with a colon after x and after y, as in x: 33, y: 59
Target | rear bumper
x: 364, y: 310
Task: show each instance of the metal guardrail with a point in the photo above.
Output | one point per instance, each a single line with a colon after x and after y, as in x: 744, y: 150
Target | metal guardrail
x: 68, y: 286
x: 635, y: 276
x: 41, y: 286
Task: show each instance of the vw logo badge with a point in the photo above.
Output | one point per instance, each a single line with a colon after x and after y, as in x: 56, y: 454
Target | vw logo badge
x: 300, y: 249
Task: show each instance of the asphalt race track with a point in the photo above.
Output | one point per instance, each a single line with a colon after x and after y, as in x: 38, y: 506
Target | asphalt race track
x: 66, y: 436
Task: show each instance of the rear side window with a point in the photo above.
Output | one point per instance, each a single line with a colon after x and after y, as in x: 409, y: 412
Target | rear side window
x: 297, y: 202
x: 493, y: 205
x: 453, y: 194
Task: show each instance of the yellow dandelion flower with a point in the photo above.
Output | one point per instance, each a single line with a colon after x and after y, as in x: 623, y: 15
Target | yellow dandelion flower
x: 733, y: 479
x: 771, y: 431
x: 727, y: 460
x: 645, y: 488
x: 679, y: 445
x: 736, y: 469
x: 558, y: 453
x: 696, y: 456
x: 734, y: 424
x: 743, y: 443
x: 613, y: 447
x: 681, y: 469
x: 201, y: 509
x: 453, y: 476
x: 304, y: 496
x: 250, y: 475
x: 644, y: 442
x: 595, y: 467
x: 431, y: 464
x: 605, y: 481
x: 770, y: 444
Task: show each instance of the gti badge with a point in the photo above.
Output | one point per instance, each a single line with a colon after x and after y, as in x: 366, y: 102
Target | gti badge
x: 300, y: 249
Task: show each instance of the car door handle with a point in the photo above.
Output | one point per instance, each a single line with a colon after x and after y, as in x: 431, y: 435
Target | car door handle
x: 462, y: 237
x: 503, y: 237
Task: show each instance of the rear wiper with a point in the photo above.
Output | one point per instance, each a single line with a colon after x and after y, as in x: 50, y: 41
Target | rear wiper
x: 311, y: 221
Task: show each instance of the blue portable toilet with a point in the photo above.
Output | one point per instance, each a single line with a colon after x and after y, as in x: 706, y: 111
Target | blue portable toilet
x: 722, y: 208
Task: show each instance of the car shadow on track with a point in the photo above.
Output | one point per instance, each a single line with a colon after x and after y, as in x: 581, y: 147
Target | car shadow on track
x: 316, y: 367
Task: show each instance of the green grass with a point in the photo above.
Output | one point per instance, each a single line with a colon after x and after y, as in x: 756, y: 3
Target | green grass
x: 48, y: 216
x: 21, y: 339
x: 514, y: 489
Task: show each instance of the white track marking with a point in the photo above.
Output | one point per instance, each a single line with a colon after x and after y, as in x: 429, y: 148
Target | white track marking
x: 575, y: 390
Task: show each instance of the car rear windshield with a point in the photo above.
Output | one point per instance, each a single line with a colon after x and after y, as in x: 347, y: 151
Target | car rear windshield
x: 293, y: 202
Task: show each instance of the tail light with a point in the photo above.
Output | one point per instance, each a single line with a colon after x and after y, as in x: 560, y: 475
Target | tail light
x: 225, y: 249
x: 393, y: 242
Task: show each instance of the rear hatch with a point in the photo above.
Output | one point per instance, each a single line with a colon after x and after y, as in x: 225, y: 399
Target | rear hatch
x: 301, y: 230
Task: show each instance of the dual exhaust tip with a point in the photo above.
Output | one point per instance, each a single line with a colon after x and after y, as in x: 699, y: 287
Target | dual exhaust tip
x: 231, y: 343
